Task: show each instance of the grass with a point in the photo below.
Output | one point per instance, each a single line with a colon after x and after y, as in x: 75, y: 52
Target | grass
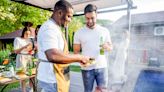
x: 75, y: 68
x: 10, y: 87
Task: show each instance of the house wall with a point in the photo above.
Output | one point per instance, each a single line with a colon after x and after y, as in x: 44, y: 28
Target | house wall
x: 145, y: 46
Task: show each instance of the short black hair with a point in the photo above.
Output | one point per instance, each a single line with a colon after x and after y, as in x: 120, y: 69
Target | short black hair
x: 90, y: 8
x: 63, y: 5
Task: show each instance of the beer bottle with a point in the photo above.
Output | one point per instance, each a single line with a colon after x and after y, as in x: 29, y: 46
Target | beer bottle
x: 101, y: 48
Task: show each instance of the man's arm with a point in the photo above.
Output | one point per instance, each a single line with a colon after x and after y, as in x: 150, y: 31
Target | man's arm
x: 56, y: 56
x: 108, y: 43
x: 76, y: 48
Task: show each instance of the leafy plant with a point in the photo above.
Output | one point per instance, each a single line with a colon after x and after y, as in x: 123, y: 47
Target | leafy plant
x: 12, y: 14
x: 4, y: 54
x: 10, y: 47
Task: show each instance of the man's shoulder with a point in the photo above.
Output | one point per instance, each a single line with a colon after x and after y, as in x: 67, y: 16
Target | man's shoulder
x: 48, y: 24
x: 82, y: 29
x: 101, y: 27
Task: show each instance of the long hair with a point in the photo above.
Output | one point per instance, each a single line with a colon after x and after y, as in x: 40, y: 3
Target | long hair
x: 24, y: 30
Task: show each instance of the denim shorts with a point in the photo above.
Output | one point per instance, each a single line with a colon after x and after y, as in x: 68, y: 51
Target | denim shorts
x: 47, y: 87
x: 99, y: 75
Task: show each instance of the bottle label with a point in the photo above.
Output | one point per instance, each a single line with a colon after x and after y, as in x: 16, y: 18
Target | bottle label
x: 101, y: 51
x: 101, y: 48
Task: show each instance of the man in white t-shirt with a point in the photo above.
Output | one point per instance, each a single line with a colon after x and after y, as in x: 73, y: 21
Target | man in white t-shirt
x: 51, y: 46
x: 94, y: 41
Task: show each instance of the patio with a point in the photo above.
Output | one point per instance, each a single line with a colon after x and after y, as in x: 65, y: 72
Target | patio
x: 133, y: 69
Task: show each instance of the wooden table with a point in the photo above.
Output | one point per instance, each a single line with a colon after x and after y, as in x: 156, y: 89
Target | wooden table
x: 22, y: 77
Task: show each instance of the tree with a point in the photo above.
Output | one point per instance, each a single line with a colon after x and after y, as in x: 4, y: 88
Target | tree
x: 12, y: 15
x: 73, y: 27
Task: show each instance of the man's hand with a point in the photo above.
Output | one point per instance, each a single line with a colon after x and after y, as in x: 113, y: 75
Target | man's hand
x: 107, y: 46
x: 88, y: 62
x: 84, y: 59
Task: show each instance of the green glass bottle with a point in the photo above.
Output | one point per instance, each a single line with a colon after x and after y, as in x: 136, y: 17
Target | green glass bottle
x: 101, y: 43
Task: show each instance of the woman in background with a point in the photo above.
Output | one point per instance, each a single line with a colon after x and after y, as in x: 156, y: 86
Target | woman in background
x: 23, y: 47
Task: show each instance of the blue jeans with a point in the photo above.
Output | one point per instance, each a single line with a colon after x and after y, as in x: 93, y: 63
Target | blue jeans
x: 100, y: 75
x: 47, y: 87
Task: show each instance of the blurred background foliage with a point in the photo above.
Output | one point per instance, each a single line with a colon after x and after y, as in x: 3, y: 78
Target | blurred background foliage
x: 12, y: 15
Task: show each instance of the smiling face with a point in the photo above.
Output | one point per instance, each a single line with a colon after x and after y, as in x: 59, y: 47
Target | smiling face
x: 63, y: 17
x: 63, y: 13
x: 91, y: 19
x: 66, y: 17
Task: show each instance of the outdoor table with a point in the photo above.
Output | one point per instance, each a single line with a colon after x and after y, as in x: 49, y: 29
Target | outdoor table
x: 5, y: 81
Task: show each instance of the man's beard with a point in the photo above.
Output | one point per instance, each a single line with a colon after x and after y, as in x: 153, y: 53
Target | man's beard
x: 90, y: 25
x: 64, y: 23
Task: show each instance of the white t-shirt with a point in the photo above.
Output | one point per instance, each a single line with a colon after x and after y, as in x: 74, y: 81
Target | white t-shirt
x: 22, y: 59
x: 49, y: 37
x: 90, y: 44
x: 21, y: 42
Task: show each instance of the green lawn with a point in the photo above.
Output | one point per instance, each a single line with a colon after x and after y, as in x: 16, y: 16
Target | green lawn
x: 10, y: 87
x: 75, y: 68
